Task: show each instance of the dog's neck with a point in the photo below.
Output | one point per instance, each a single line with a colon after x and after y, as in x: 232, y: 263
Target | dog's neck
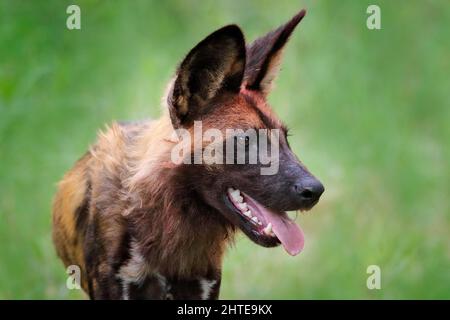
x: 176, y: 232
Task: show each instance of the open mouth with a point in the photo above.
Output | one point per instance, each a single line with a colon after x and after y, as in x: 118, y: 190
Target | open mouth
x: 269, y: 227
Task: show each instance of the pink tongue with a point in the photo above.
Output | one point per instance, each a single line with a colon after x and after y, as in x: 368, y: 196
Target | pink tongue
x: 286, y: 230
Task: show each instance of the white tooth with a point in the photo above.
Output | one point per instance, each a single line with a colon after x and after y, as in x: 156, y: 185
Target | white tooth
x: 268, y: 230
x: 242, y: 206
x: 248, y: 213
x: 272, y: 233
x: 260, y: 223
x: 235, y: 193
x: 255, y: 219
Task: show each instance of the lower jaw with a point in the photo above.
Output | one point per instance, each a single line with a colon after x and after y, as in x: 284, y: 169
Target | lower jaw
x: 249, y: 231
x: 267, y: 242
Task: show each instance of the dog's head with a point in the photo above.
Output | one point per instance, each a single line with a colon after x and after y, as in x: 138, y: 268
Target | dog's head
x: 239, y: 156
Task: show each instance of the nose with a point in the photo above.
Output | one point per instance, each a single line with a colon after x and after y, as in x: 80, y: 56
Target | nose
x: 309, y: 189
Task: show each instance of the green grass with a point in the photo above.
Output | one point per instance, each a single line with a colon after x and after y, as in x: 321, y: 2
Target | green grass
x: 369, y: 113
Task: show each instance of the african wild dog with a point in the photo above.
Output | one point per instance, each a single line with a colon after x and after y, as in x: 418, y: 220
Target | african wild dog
x: 140, y: 226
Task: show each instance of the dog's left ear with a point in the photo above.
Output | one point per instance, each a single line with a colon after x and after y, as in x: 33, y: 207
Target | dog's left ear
x: 214, y: 67
x: 264, y: 56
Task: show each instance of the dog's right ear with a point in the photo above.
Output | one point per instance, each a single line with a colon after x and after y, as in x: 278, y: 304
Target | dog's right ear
x: 264, y: 56
x: 216, y: 65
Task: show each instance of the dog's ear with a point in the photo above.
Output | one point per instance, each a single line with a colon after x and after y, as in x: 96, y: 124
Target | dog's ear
x: 215, y: 66
x: 264, y: 56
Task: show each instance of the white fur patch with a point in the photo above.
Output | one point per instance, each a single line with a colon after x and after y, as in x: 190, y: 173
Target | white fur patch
x: 135, y: 271
x: 206, y: 286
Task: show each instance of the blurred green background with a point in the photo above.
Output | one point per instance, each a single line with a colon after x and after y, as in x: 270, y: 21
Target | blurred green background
x: 369, y: 113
